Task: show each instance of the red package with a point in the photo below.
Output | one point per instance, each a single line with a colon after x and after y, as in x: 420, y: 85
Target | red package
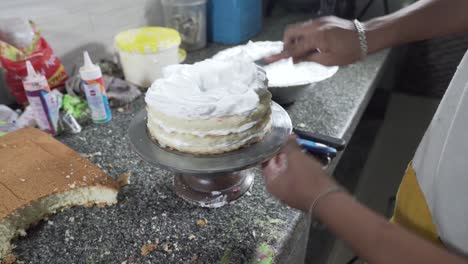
x: 41, y: 56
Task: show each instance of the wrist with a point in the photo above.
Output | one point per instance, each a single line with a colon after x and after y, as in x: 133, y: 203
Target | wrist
x: 380, y: 34
x: 320, y: 180
x: 320, y: 209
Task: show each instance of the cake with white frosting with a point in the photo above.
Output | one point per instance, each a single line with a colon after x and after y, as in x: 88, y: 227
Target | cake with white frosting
x: 209, y: 107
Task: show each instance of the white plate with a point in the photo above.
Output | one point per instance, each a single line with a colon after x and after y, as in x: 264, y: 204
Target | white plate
x: 282, y: 73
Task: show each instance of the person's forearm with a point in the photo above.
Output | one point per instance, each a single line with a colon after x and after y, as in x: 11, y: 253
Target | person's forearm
x: 422, y: 20
x: 373, y: 238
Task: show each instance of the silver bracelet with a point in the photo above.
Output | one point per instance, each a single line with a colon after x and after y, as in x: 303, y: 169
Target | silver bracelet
x: 362, y: 38
x: 323, y: 195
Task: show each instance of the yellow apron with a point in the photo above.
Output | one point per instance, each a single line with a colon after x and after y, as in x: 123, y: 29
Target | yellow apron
x: 411, y: 210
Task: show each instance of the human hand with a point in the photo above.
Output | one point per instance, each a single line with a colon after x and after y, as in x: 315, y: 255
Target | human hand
x: 295, y: 178
x: 327, y: 40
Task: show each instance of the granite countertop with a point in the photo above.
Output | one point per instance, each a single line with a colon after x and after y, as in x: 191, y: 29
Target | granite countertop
x: 149, y: 212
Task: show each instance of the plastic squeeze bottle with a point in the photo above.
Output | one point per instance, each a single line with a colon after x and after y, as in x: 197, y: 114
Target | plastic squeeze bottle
x: 95, y: 91
x: 37, y: 91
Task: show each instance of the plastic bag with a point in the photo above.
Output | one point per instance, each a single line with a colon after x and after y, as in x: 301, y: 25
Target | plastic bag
x: 27, y: 119
x: 7, y: 114
x: 16, y: 32
x: 43, y: 59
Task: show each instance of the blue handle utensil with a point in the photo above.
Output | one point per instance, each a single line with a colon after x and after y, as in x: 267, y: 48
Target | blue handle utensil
x: 316, y: 148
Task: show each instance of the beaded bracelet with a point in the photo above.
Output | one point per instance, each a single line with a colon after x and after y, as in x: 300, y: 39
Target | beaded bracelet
x: 362, y: 38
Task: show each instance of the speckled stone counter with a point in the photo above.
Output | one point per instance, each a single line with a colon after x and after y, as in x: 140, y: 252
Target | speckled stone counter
x: 149, y: 212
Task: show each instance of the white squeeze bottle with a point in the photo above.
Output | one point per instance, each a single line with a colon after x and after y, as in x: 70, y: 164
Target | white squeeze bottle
x: 37, y: 91
x: 95, y: 91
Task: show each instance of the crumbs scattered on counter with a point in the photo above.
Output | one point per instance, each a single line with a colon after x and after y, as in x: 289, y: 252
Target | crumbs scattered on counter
x: 146, y: 249
x: 22, y: 232
x: 202, y: 222
x: 167, y: 248
x: 124, y: 178
x: 91, y: 155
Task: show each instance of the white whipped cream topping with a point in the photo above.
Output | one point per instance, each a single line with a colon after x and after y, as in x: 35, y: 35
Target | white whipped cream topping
x: 282, y: 73
x: 207, y: 89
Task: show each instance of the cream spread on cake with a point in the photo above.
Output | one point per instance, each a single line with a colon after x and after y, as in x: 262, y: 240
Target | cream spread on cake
x: 209, y: 107
x: 207, y: 89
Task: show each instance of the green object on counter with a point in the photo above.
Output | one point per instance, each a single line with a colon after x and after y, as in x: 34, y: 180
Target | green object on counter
x: 76, y: 106
x: 226, y: 257
x: 2, y: 133
x: 264, y: 254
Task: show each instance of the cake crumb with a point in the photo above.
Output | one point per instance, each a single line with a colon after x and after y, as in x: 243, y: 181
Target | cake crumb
x: 202, y: 222
x: 110, y: 166
x: 91, y: 155
x: 22, y: 232
x: 22, y: 180
x: 120, y: 110
x: 301, y: 125
x: 146, y: 249
x: 191, y: 237
x: 67, y: 177
x: 9, y: 259
x: 124, y: 178
x: 167, y: 248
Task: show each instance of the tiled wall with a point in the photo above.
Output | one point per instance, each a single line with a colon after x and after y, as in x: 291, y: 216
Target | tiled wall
x: 70, y: 26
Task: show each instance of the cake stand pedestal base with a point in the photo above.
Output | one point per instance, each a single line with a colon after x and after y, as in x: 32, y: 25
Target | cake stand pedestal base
x: 213, y: 191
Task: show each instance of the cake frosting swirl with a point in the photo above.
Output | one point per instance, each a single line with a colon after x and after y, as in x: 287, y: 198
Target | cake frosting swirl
x: 207, y: 89
x: 209, y: 107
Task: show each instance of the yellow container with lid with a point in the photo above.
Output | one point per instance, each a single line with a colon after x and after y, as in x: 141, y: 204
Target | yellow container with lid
x: 144, y: 52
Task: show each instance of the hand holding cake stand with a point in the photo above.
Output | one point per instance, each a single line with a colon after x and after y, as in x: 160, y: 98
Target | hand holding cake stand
x: 211, y: 180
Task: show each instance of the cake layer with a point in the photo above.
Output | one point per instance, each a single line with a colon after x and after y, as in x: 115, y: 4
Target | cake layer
x: 213, y: 126
x: 211, y: 144
x: 19, y: 220
x: 39, y: 175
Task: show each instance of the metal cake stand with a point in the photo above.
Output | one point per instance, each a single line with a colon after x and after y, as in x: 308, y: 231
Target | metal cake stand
x: 211, y: 180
